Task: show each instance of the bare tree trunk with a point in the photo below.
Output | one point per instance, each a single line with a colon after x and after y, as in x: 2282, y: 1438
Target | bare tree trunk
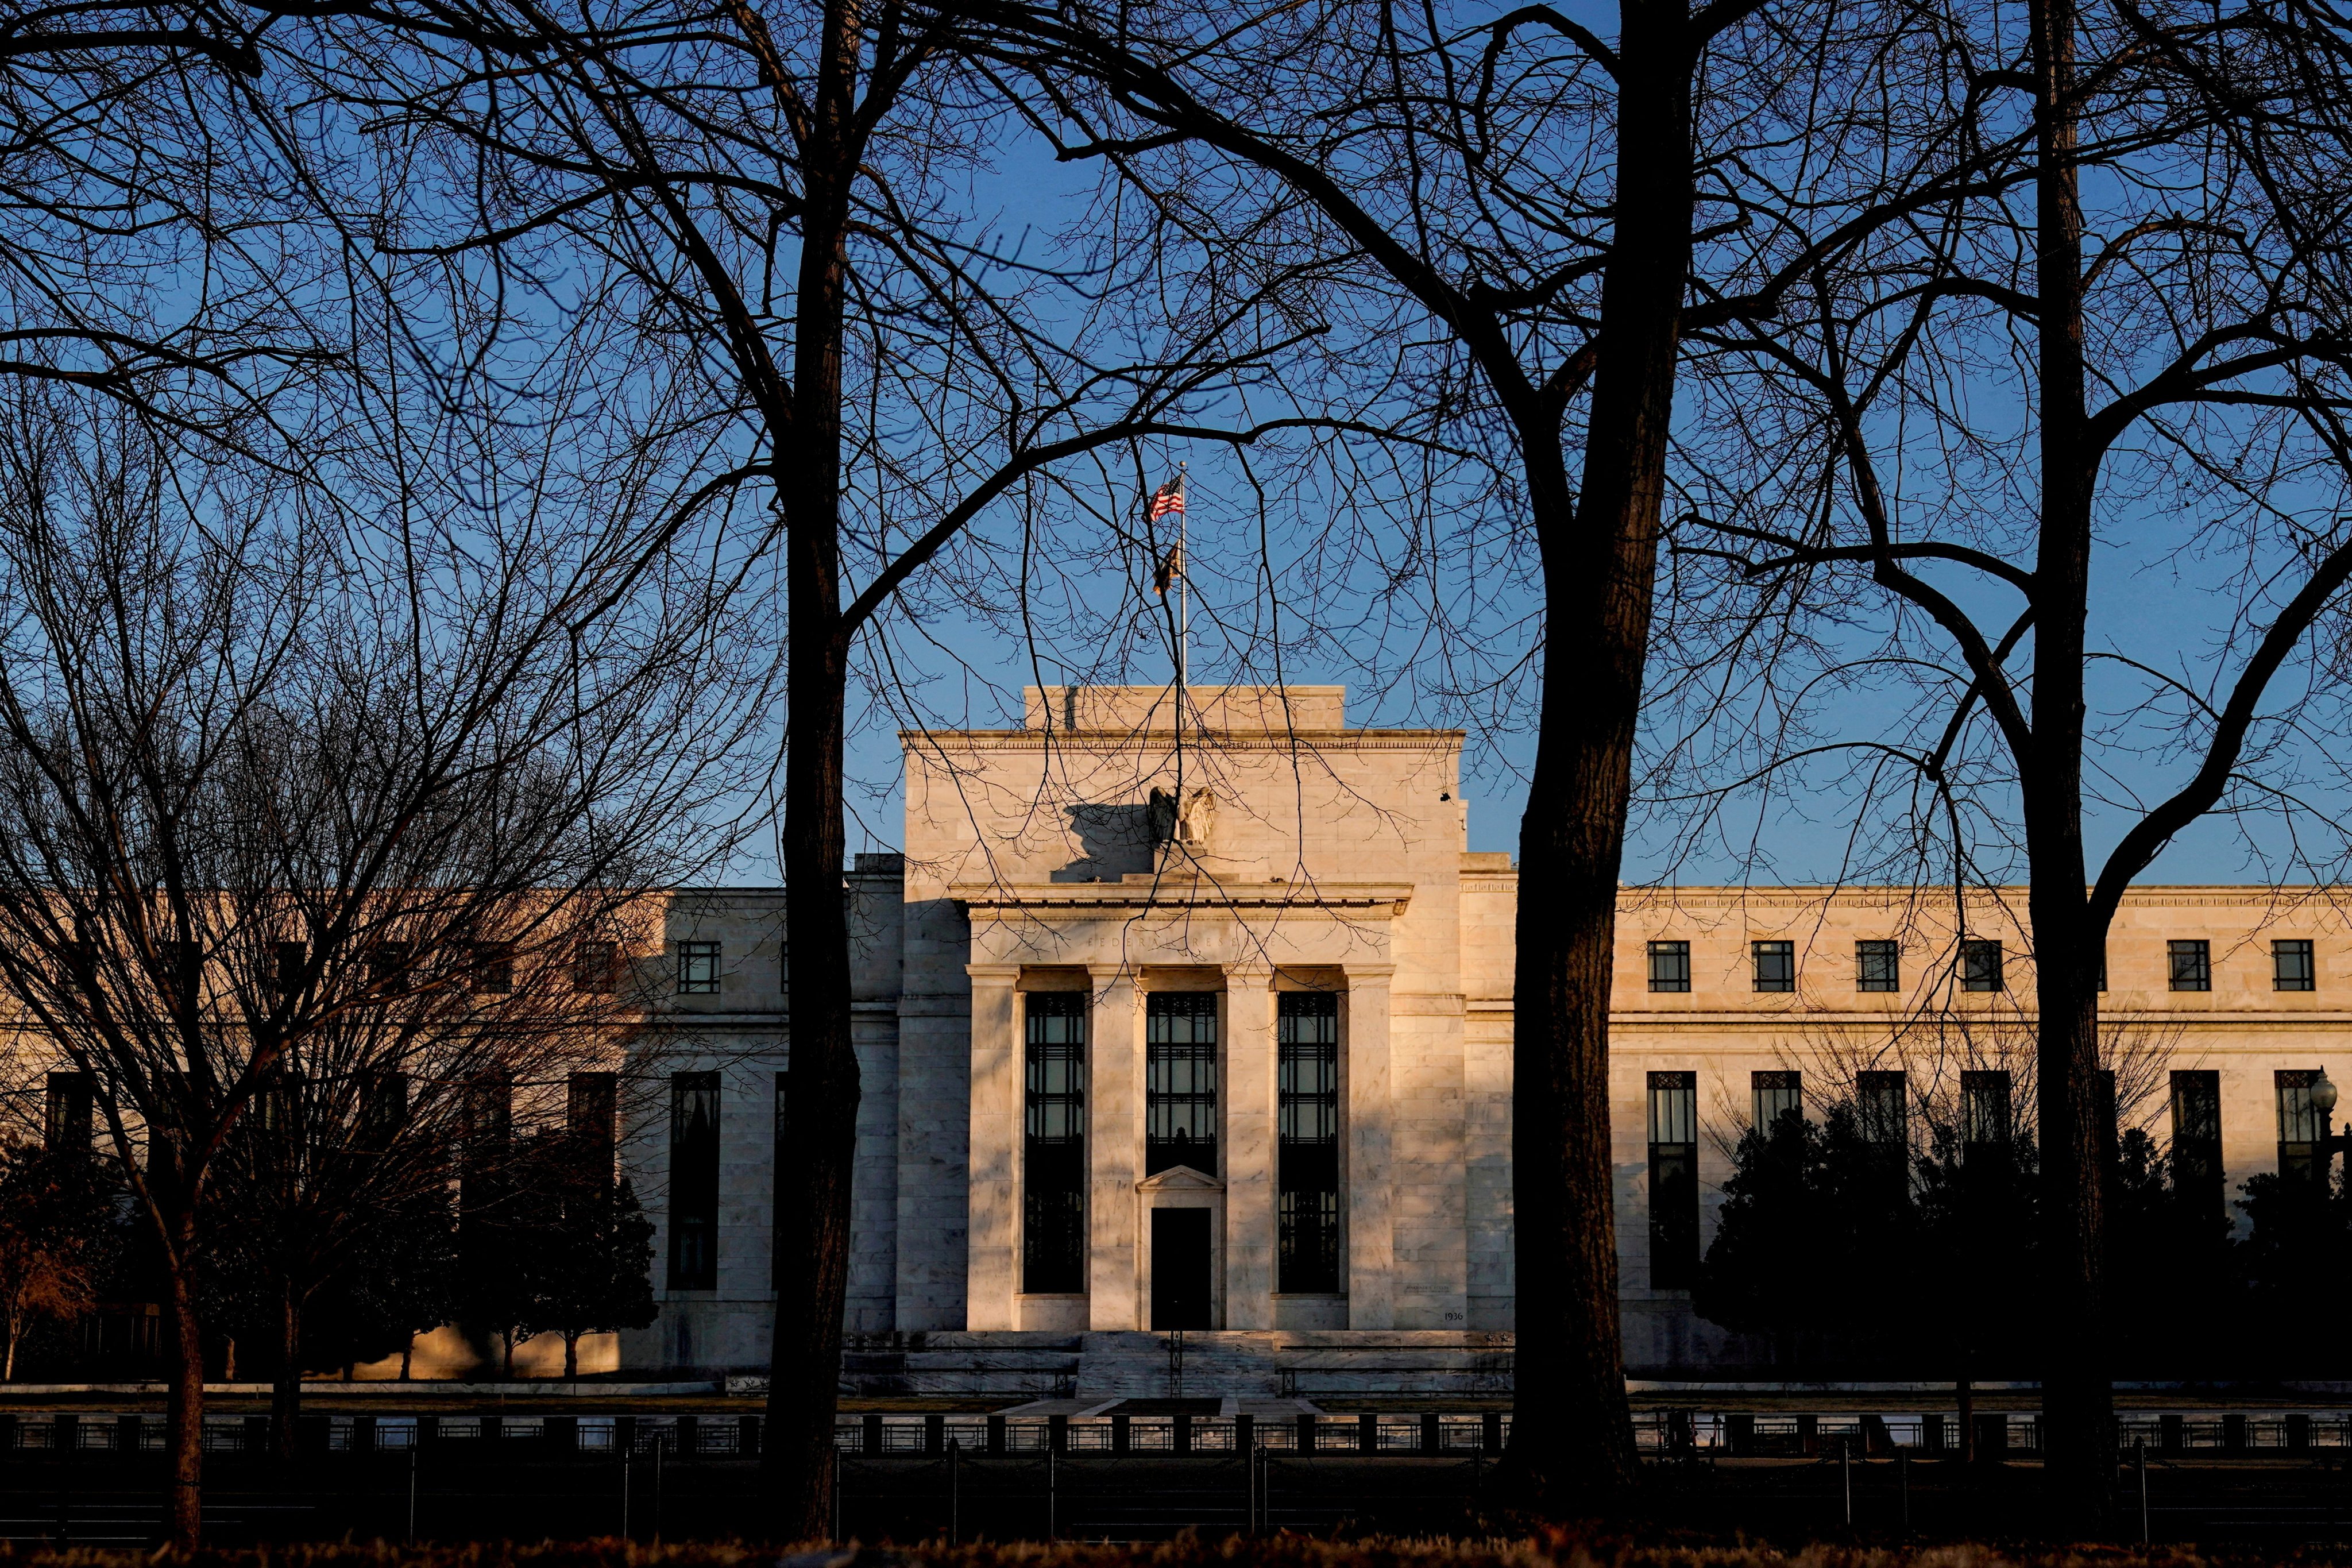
x: 2078, y: 1439
x: 506, y: 1349
x: 571, y: 1355
x: 812, y: 1219
x: 185, y: 1408
x: 407, y: 1356
x: 1575, y: 1448
x: 285, y: 1390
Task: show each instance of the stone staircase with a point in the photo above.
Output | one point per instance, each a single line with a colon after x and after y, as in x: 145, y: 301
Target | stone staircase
x: 1241, y: 1364
x: 1040, y: 1366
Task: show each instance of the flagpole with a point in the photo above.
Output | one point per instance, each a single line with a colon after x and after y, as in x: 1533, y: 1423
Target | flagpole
x: 1183, y: 596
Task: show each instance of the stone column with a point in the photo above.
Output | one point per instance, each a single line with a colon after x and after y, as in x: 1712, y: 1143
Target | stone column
x: 1114, y: 1149
x: 1371, y: 1173
x: 993, y: 1260
x: 1249, y: 1148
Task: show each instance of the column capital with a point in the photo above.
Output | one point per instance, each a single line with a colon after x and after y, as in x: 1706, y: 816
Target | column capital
x: 1356, y: 972
x: 1104, y: 974
x: 1004, y: 973
x: 1249, y: 976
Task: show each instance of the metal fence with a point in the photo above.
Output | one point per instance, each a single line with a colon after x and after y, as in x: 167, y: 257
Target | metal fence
x: 1662, y: 1434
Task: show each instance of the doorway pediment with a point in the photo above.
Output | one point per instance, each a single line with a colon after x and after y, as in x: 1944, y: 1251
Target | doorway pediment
x: 1180, y: 1179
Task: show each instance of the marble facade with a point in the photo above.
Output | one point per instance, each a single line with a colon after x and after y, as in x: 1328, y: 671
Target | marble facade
x: 1264, y: 846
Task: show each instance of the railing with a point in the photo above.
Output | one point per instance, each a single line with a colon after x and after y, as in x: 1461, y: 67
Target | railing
x: 1659, y: 1434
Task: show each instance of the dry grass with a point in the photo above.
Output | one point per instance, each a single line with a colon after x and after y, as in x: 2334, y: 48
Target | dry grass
x: 1549, y: 1550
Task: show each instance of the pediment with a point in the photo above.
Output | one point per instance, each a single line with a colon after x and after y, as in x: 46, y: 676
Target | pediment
x: 1180, y: 1179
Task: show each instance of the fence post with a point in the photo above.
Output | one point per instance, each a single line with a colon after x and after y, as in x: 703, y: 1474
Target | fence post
x: 1992, y: 1438
x: 689, y: 1435
x: 996, y: 1435
x: 2298, y: 1430
x: 428, y: 1428
x: 1306, y: 1434
x: 1057, y: 1434
x: 2233, y: 1432
x: 1931, y: 1432
x: 935, y: 1434
x: 1245, y: 1434
x: 1809, y: 1432
x: 1490, y: 1432
x: 747, y: 1439
x: 126, y: 1433
x: 1121, y: 1432
x: 257, y: 1433
x: 1433, y: 1435
x: 562, y: 1434
x: 1184, y: 1432
x: 493, y: 1428
x: 1368, y: 1433
x: 870, y: 1441
x: 1739, y: 1431
x: 2170, y: 1434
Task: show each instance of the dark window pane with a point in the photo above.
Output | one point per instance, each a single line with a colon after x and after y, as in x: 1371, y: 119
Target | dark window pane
x: 1054, y: 1160
x: 595, y: 967
x: 1980, y: 966
x: 1306, y: 1125
x: 2291, y: 965
x: 1877, y: 966
x: 491, y: 970
x: 1774, y: 1095
x: 1673, y: 1180
x: 1180, y: 1077
x: 1883, y: 1102
x: 694, y: 1181
x: 2191, y: 964
x: 1776, y: 965
x: 1670, y: 966
x: 2197, y: 1171
x: 1984, y: 1110
x: 697, y: 968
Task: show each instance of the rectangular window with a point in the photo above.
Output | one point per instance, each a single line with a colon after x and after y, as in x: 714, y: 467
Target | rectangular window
x: 68, y: 1111
x: 1670, y: 966
x: 388, y: 962
x: 694, y: 1181
x: 1883, y: 1106
x: 1307, y: 1130
x: 1878, y: 965
x: 2191, y: 963
x: 592, y: 1116
x: 2298, y: 1126
x: 2196, y: 1177
x: 286, y: 962
x: 595, y: 967
x: 491, y: 969
x: 1980, y: 966
x: 1054, y: 1144
x: 1776, y: 965
x: 1673, y: 1180
x: 1179, y: 1081
x: 698, y: 969
x: 1773, y: 1095
x: 1984, y: 1112
x: 2292, y: 967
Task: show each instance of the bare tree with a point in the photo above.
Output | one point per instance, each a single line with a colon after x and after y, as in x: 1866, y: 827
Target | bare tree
x: 2157, y: 270
x: 268, y: 803
x: 800, y: 317
x: 1557, y: 211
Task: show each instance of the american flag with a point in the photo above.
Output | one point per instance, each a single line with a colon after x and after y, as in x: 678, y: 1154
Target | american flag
x: 1168, y: 501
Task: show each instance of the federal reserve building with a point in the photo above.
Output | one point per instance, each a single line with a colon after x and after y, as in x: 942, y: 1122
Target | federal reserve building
x: 1200, y: 1019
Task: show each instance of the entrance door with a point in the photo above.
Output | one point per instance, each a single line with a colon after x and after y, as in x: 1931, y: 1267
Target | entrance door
x: 1180, y: 1268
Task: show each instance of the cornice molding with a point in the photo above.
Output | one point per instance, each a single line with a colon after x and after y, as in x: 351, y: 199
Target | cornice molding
x: 1112, y: 743
x: 1092, y: 900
